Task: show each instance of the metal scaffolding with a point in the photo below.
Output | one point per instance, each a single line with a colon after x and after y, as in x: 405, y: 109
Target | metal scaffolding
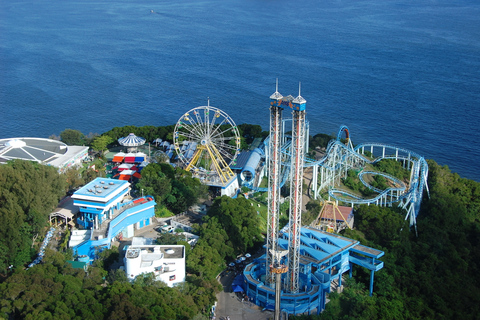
x: 274, y: 168
x: 297, y: 147
x: 296, y: 182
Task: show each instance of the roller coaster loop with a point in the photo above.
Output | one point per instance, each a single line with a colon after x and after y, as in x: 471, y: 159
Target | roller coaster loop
x: 340, y: 157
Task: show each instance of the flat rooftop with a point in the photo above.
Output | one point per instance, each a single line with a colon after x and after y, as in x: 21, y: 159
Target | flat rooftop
x: 101, y: 188
x: 317, y: 245
x: 169, y: 251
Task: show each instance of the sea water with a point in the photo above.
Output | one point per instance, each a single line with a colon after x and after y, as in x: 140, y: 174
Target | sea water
x: 399, y: 72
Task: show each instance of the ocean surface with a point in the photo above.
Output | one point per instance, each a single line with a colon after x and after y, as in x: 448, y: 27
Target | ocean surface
x: 398, y: 72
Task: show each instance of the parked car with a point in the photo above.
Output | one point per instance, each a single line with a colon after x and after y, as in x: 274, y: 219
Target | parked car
x: 167, y: 229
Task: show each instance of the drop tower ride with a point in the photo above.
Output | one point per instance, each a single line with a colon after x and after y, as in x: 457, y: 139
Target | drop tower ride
x: 273, y: 255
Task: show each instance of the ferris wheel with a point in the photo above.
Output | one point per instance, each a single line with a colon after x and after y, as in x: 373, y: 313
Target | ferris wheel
x: 207, y: 141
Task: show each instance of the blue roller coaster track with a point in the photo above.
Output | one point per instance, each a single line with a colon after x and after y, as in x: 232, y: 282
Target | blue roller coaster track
x: 341, y: 156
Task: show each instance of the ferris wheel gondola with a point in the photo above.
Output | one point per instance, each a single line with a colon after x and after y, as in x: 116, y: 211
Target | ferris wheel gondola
x: 207, y: 141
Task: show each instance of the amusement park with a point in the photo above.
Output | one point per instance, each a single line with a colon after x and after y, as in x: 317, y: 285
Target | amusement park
x: 300, y: 263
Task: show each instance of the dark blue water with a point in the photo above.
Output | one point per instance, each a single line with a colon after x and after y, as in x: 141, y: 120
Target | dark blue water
x: 399, y: 72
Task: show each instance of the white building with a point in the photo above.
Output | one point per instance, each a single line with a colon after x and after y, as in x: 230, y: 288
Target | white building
x: 166, y: 262
x: 45, y: 151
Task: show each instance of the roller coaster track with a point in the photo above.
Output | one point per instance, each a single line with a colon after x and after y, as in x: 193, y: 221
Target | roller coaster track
x: 341, y: 157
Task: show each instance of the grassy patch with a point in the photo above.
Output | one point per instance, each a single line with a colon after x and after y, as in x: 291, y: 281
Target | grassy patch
x: 163, y: 212
x: 263, y: 213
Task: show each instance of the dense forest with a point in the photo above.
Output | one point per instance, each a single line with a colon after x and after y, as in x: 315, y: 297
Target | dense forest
x: 434, y: 275
x: 28, y: 193
x: 54, y: 290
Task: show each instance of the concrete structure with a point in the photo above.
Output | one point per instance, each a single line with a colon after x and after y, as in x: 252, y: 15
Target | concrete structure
x: 165, y: 262
x: 229, y: 189
x: 45, y: 151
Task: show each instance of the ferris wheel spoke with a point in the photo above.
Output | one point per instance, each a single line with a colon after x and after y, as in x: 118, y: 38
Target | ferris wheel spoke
x: 214, y: 132
x: 199, y: 129
x: 221, y: 152
x: 226, y: 146
x: 224, y: 131
x: 206, y: 120
x: 226, y: 155
x: 194, y: 130
x: 189, y: 136
x: 217, y: 157
x: 221, y: 139
x: 199, y: 121
x: 225, y: 142
x: 212, y: 124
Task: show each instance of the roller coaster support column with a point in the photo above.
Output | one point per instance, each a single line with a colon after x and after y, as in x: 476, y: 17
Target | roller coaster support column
x: 274, y: 167
x: 371, y: 282
x: 315, y: 181
x: 298, y: 153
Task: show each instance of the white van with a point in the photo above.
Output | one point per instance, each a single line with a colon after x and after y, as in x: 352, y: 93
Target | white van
x: 167, y: 229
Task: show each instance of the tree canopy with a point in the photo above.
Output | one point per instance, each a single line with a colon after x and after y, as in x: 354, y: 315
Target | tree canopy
x: 239, y: 219
x: 55, y: 290
x: 72, y: 137
x: 29, y: 192
x: 432, y: 276
x: 173, y: 188
x: 149, y: 133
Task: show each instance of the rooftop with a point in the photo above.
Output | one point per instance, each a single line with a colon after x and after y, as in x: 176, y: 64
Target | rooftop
x: 46, y: 151
x: 101, y: 188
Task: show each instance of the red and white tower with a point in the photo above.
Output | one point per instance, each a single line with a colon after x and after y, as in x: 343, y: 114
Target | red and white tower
x: 277, y: 104
x: 274, y: 169
x: 296, y: 180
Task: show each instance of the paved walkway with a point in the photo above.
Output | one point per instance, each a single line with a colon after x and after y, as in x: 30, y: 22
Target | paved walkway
x: 229, y: 304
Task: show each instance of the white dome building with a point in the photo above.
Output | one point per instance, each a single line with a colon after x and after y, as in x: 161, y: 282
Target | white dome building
x: 45, y: 151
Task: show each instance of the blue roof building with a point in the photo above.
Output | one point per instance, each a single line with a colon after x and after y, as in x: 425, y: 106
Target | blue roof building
x: 105, y: 212
x: 97, y: 200
x: 249, y: 170
x: 324, y: 257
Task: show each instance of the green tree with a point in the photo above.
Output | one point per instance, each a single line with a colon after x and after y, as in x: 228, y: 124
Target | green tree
x: 174, y: 188
x: 72, y: 137
x: 74, y: 178
x: 28, y: 193
x: 214, y: 234
x: 100, y: 143
x: 239, y: 219
x: 155, y: 183
x: 320, y: 140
